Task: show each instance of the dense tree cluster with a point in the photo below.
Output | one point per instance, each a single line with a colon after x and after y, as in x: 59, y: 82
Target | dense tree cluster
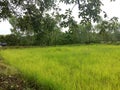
x: 50, y: 34
x: 34, y: 25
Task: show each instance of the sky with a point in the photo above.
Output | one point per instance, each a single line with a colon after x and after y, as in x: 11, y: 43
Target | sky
x: 111, y: 8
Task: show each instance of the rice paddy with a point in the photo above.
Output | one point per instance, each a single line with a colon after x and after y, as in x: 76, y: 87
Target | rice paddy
x: 83, y: 67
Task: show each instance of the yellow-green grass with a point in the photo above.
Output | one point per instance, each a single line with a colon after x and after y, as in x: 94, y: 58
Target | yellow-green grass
x: 84, y: 67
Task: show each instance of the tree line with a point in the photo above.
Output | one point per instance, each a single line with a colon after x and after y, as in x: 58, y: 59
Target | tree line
x: 33, y: 24
x: 106, y: 31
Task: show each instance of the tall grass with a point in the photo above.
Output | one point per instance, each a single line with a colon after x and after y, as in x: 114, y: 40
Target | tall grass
x: 89, y: 67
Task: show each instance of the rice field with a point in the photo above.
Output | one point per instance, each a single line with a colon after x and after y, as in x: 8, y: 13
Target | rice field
x: 83, y: 67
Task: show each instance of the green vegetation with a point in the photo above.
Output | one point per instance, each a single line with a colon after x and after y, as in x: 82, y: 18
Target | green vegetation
x: 41, y: 23
x: 106, y: 31
x: 11, y: 79
x: 85, y: 67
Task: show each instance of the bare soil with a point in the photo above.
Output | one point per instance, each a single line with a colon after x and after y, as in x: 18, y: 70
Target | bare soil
x: 10, y: 79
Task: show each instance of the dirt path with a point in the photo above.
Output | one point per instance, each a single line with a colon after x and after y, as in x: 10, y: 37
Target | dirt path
x: 10, y: 79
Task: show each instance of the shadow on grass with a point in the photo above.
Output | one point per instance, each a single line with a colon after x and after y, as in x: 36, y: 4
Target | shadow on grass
x: 11, y: 79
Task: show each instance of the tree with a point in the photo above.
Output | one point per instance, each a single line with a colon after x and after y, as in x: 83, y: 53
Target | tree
x: 107, y: 29
x: 41, y: 28
x: 88, y: 9
x: 31, y: 20
x: 22, y: 7
x: 22, y: 30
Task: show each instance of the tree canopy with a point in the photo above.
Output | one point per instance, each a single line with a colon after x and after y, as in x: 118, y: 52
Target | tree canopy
x: 88, y: 9
x: 33, y: 24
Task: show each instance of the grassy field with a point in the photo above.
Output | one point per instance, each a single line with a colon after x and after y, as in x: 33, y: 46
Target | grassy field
x: 84, y: 67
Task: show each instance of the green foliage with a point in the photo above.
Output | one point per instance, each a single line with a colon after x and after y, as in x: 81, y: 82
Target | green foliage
x: 4, y: 9
x: 89, y: 10
x: 21, y: 7
x: 2, y: 38
x: 108, y: 29
x: 9, y: 39
x: 45, y: 31
x: 34, y: 26
x: 69, y: 67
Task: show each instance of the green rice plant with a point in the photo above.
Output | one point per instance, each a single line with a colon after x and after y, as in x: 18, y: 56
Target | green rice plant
x: 84, y: 67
